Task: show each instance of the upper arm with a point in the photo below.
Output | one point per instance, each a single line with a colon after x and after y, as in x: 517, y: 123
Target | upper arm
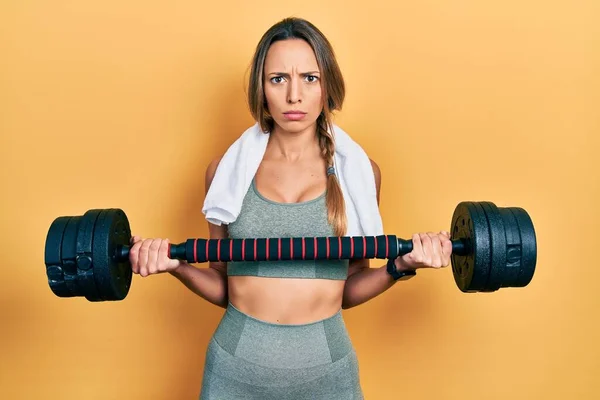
x: 215, y: 231
x: 357, y: 265
x: 377, y: 175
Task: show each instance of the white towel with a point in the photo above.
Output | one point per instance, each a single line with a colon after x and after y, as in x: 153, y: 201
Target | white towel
x: 240, y: 162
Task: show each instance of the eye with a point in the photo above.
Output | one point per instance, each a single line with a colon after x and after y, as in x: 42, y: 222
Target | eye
x: 277, y: 79
x: 312, y: 78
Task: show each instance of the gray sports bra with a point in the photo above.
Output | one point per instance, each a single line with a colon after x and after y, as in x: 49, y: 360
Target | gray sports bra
x: 264, y: 218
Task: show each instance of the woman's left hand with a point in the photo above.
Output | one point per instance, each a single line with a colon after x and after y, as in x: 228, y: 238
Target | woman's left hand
x: 430, y: 250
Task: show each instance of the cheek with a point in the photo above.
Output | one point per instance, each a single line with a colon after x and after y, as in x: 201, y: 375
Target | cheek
x: 316, y: 99
x: 268, y: 95
x: 272, y: 97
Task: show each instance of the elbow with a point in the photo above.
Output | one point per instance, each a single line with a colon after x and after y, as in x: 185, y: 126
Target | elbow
x: 346, y: 304
x: 224, y: 303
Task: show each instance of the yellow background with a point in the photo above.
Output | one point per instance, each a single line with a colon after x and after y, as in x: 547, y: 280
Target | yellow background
x: 124, y: 103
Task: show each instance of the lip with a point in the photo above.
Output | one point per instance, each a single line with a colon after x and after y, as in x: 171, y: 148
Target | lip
x: 294, y: 115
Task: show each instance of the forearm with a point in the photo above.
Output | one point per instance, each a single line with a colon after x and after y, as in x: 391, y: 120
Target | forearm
x: 208, y: 283
x: 365, y: 285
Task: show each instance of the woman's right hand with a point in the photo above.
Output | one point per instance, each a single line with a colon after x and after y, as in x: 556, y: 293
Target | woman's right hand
x: 150, y: 256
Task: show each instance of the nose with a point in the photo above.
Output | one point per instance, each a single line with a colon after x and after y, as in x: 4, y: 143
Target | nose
x: 294, y: 91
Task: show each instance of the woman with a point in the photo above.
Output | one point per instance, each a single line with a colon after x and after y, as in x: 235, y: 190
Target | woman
x: 282, y: 335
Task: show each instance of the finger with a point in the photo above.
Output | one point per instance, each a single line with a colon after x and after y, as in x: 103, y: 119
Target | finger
x: 133, y: 258
x: 446, y: 251
x: 134, y: 253
x: 417, y: 251
x: 163, y: 254
x: 427, y: 248
x: 134, y: 239
x: 153, y: 256
x: 436, y: 250
x: 143, y: 257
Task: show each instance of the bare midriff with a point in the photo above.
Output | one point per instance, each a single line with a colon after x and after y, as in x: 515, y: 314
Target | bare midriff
x: 289, y: 301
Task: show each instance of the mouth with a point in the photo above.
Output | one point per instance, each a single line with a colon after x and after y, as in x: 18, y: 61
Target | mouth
x: 294, y: 112
x: 294, y: 115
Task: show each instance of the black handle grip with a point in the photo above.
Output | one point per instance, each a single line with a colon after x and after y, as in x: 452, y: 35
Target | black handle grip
x: 303, y: 248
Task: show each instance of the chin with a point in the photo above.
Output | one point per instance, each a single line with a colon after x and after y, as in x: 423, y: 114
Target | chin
x: 295, y: 126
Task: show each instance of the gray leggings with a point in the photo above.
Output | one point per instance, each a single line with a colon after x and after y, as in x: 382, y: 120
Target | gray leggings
x: 252, y: 359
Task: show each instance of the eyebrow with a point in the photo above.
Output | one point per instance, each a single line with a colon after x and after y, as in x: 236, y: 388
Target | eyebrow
x: 287, y: 75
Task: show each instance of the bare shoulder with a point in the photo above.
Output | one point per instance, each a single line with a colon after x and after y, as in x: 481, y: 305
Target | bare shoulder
x: 211, y: 169
x: 377, y: 175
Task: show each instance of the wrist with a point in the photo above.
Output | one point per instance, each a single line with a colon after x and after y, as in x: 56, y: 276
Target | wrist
x: 401, y: 265
x: 402, y: 273
x: 176, y: 272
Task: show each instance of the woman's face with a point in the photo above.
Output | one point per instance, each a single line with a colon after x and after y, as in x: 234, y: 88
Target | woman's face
x: 292, y: 85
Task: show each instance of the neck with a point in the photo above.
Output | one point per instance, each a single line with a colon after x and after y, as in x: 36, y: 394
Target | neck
x: 293, y: 146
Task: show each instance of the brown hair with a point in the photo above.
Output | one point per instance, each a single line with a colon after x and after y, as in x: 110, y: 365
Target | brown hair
x: 332, y: 88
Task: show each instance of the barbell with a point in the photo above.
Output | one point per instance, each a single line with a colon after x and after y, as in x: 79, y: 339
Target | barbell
x: 88, y: 255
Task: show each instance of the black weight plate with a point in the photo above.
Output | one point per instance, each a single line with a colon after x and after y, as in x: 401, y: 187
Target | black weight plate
x: 462, y: 266
x: 528, y: 246
x: 112, y: 231
x: 68, y: 256
x: 482, y: 250
x: 121, y: 266
x: 513, y: 248
x: 52, y: 257
x: 57, y: 282
x: 470, y: 271
x: 85, y: 266
x: 498, y: 246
